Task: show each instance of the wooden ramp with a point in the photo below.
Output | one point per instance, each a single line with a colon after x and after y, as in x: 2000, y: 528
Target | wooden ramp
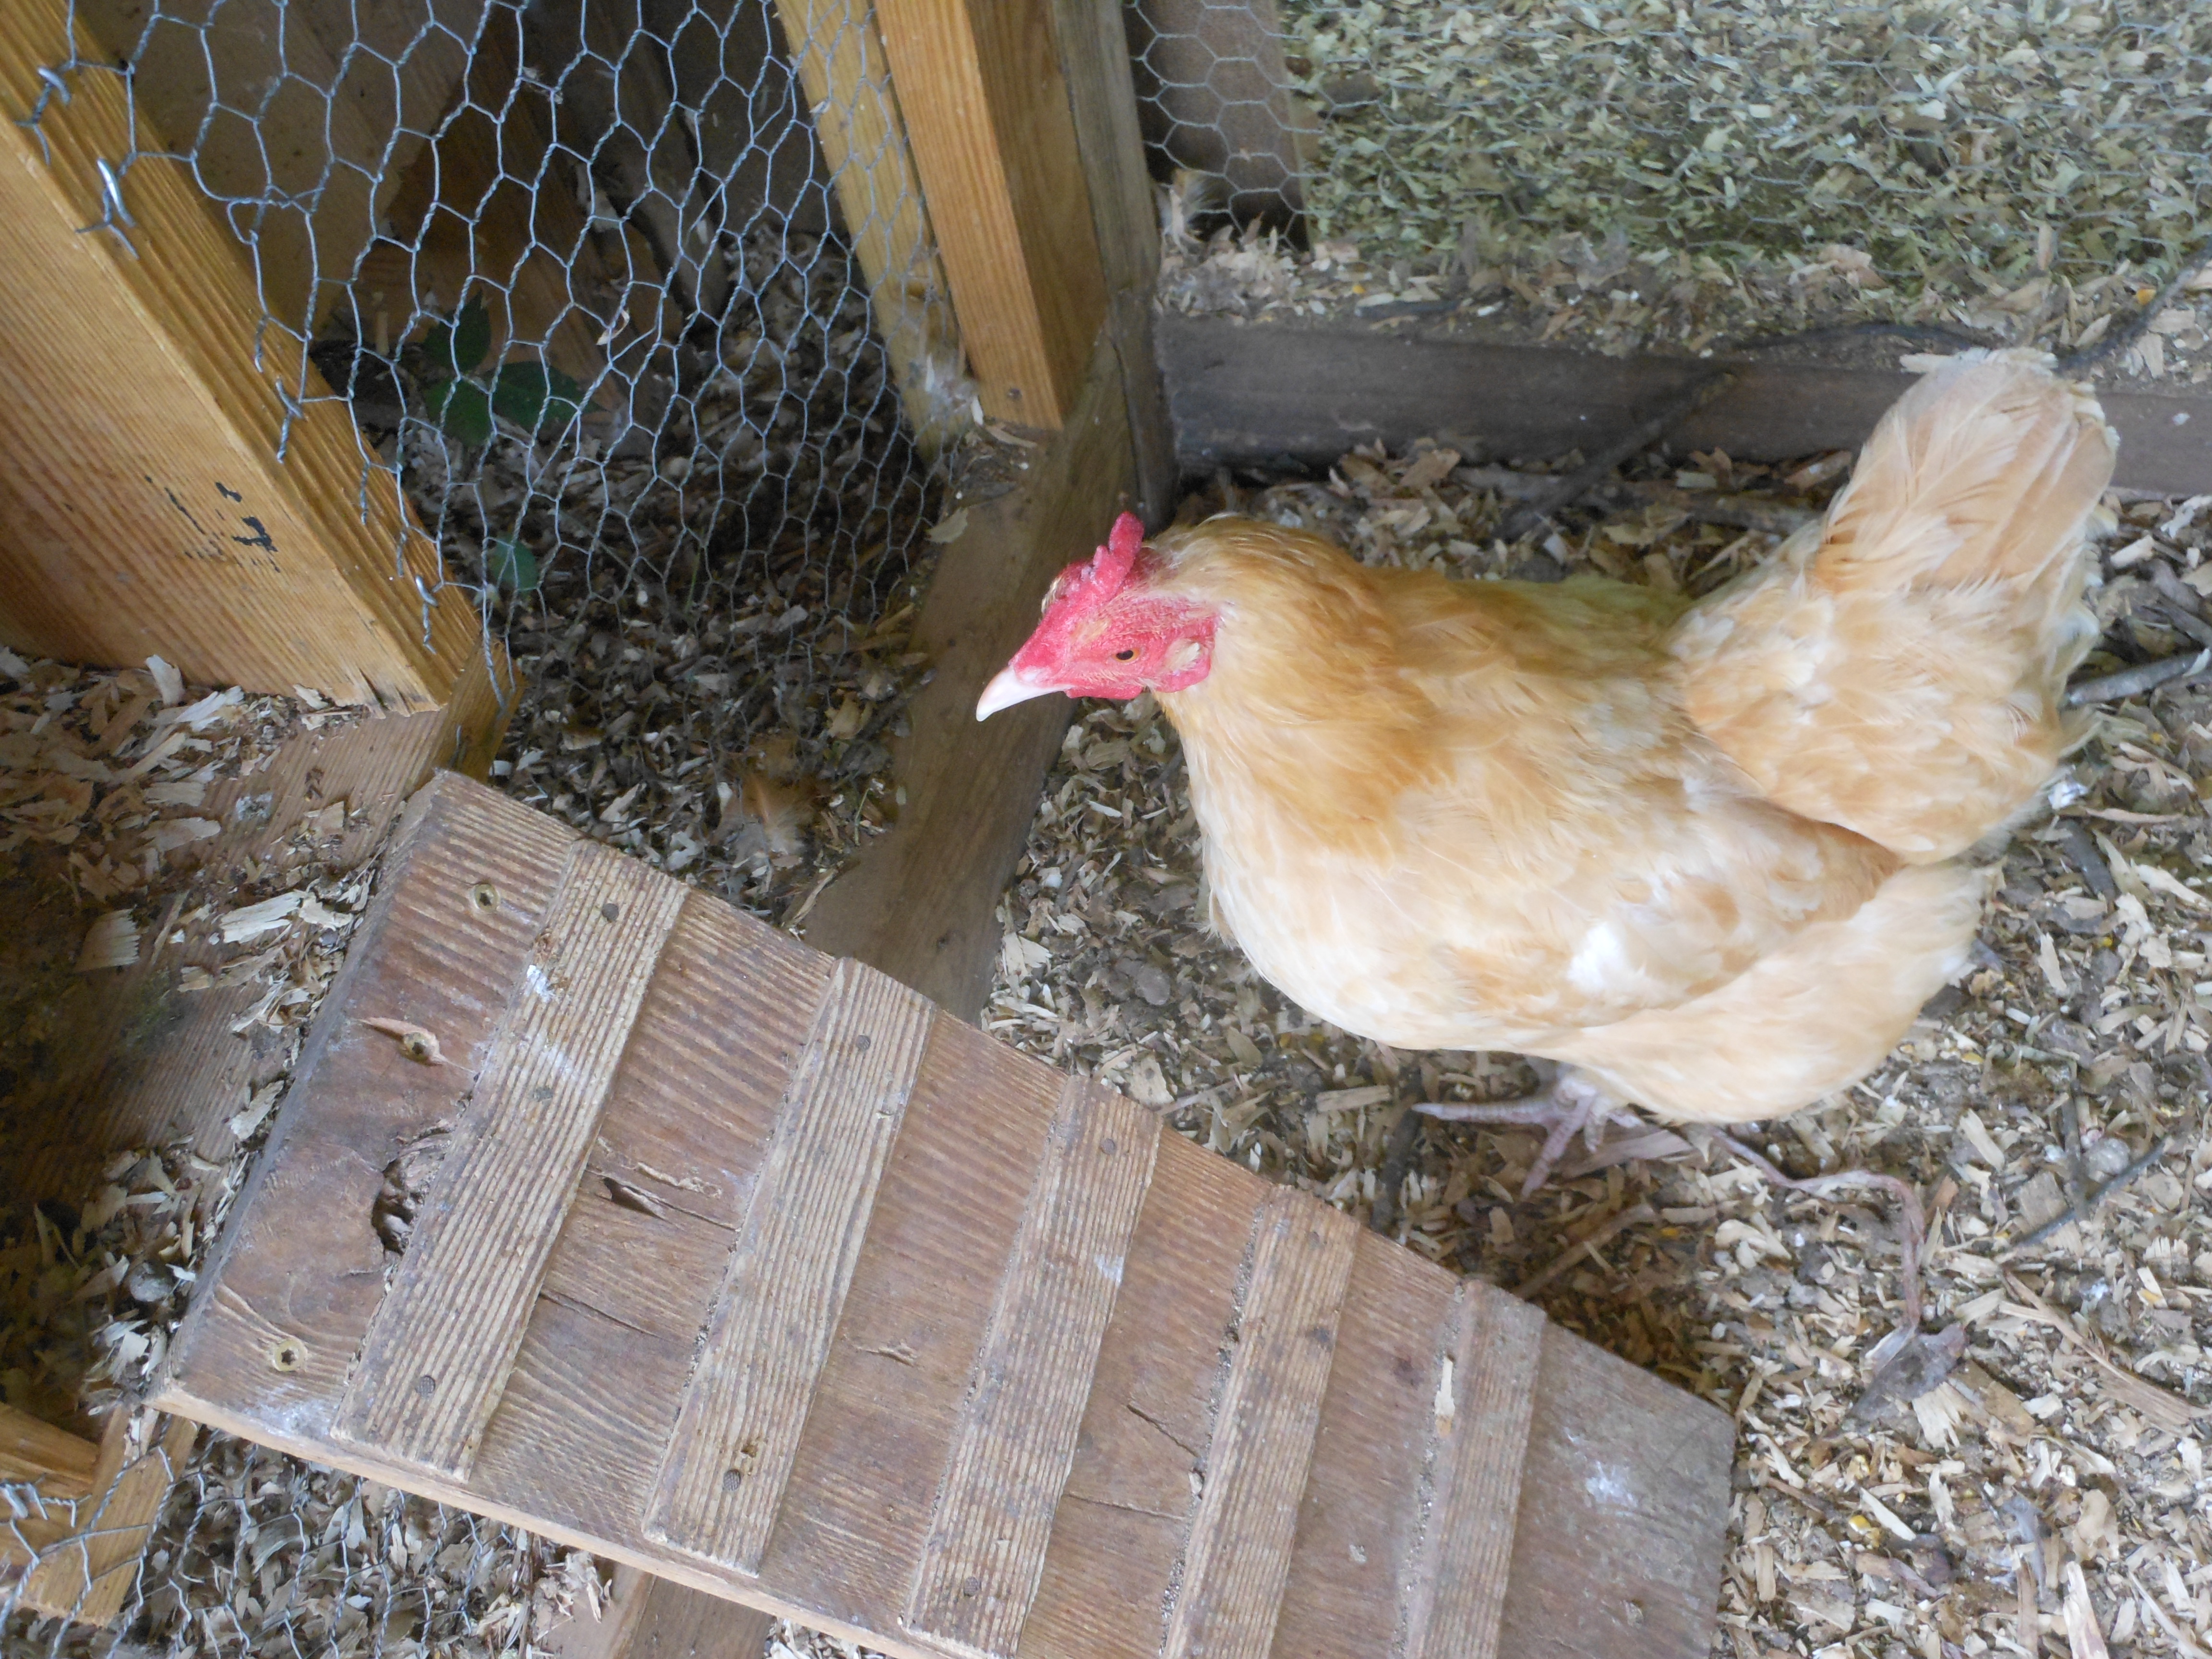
x: 749, y: 1268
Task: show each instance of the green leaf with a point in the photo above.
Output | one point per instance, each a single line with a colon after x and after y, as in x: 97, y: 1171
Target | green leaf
x: 536, y: 397
x: 472, y: 337
x: 451, y: 349
x: 511, y: 564
x: 462, y: 410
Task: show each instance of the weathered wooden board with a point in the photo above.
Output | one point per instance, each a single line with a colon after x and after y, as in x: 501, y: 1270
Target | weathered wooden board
x: 1251, y: 393
x: 1238, y: 1558
x: 985, y: 100
x: 144, y: 509
x: 1622, y: 1482
x: 439, y: 1351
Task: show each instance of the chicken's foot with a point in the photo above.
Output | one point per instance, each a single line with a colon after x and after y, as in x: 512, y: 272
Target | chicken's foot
x: 1572, y: 1105
x: 1911, y: 1219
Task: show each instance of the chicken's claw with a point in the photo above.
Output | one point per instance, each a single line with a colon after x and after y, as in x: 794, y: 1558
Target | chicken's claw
x: 1572, y: 1104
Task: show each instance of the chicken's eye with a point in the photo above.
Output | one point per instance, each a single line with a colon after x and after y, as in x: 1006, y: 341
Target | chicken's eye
x: 1127, y: 654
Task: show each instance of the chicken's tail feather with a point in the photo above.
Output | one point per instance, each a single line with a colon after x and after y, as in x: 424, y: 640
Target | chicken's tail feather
x: 1986, y: 470
x: 1900, y: 669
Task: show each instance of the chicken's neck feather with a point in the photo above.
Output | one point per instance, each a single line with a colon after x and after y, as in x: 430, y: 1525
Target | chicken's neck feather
x: 1335, y: 690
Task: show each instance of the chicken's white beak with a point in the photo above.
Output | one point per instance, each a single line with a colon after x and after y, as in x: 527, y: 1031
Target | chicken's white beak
x: 1009, y: 687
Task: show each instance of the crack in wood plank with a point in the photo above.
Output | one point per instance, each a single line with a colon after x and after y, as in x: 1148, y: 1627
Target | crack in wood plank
x: 1454, y: 1602
x: 437, y: 1352
x: 1010, y: 1459
x: 722, y: 1477
x: 1234, y: 1566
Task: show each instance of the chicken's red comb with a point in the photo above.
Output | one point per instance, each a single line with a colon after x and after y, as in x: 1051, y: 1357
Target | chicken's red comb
x: 1111, y: 565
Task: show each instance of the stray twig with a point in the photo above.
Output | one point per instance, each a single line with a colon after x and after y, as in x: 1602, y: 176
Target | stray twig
x: 2134, y: 682
x: 1605, y: 1233
x: 1398, y: 1154
x: 2084, y: 1205
x: 1571, y: 487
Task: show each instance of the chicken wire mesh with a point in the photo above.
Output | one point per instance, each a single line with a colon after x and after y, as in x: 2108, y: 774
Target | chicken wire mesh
x: 635, y: 302
x: 1651, y: 173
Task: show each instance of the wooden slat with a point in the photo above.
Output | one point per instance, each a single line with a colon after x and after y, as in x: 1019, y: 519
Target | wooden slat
x: 1239, y: 1552
x: 1251, y: 394
x: 987, y: 112
x: 842, y: 64
x: 60, y: 1463
x: 921, y: 902
x: 1002, y: 1484
x: 731, y: 1455
x: 145, y: 509
x: 1455, y: 1596
x: 439, y: 1349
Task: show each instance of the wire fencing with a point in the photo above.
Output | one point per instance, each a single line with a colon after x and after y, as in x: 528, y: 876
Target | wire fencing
x: 635, y: 302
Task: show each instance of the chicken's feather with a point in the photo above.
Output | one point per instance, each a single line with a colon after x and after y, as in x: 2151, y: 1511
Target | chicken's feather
x: 1498, y: 776
x: 1700, y: 853
x: 1900, y: 668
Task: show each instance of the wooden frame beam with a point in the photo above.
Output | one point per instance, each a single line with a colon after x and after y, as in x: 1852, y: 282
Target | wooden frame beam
x: 147, y: 509
x: 1252, y: 394
x: 986, y: 103
x: 59, y: 1463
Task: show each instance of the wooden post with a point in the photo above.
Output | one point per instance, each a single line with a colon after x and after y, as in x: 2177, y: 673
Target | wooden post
x: 1102, y: 98
x: 981, y: 87
x: 145, y: 508
x: 846, y: 76
x: 919, y: 903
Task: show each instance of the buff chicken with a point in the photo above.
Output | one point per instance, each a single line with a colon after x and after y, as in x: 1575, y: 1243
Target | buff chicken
x: 1711, y: 858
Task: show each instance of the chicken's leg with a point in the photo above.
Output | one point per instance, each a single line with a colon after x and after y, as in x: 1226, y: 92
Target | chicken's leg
x: 1572, y: 1104
x: 1911, y: 1219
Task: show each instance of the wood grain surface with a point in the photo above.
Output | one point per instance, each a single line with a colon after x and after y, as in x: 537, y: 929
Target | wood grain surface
x: 986, y: 1546
x: 920, y: 901
x: 985, y: 104
x: 1456, y: 1596
x: 438, y: 1352
x: 746, y: 1407
x: 1256, y: 1463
